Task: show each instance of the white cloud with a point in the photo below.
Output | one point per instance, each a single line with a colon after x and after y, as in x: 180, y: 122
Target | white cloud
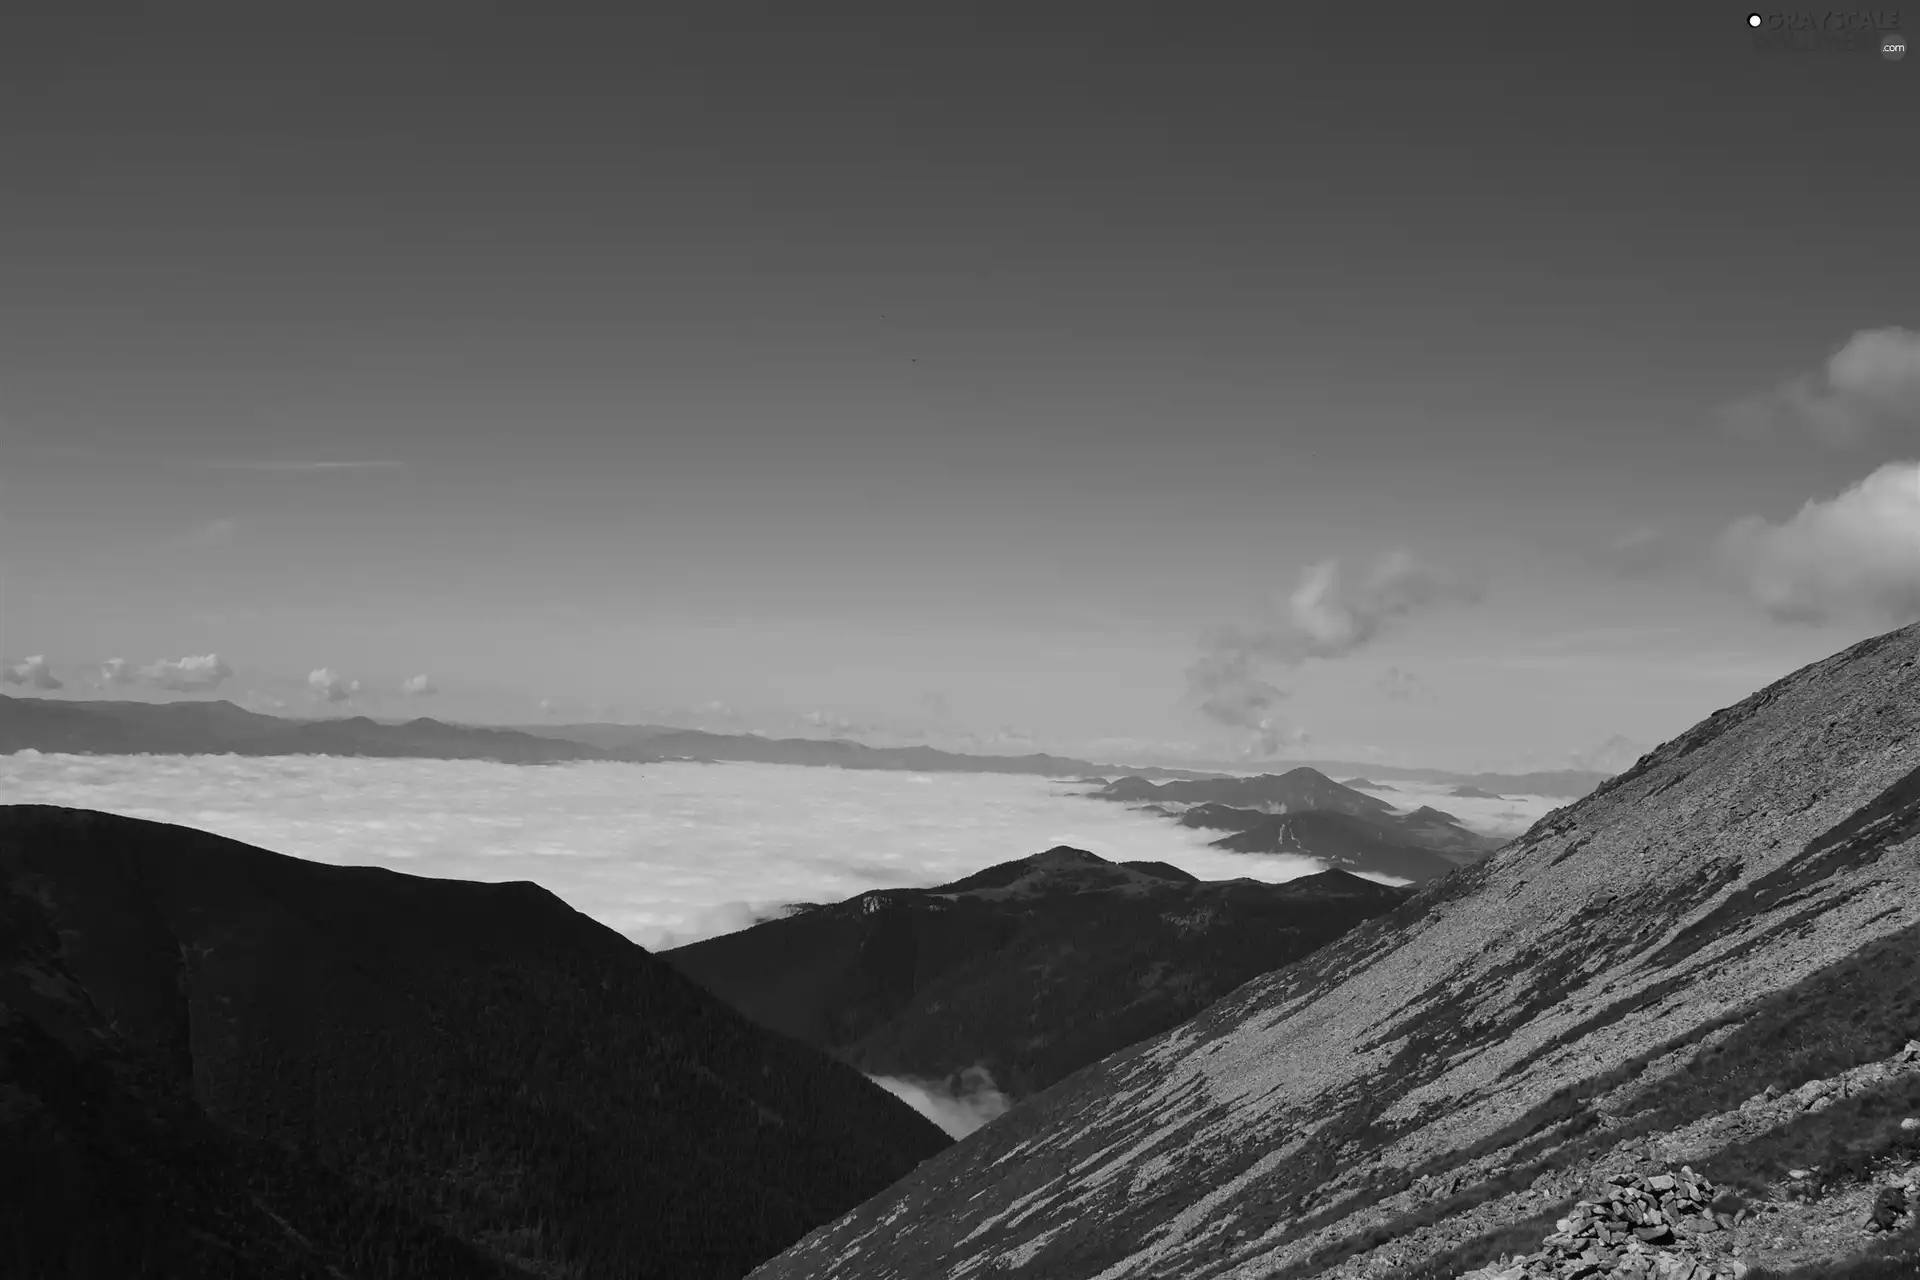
x: 420, y: 686
x: 329, y: 685
x: 1856, y: 554
x: 116, y: 671
x: 34, y: 673
x: 1871, y: 383
x: 662, y: 853
x: 1327, y: 617
x: 959, y: 1105
x: 187, y: 675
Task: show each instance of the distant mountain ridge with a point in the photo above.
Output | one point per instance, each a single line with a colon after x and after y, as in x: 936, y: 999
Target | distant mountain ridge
x: 1306, y: 813
x: 1031, y: 968
x: 218, y: 727
x: 216, y: 1061
x: 221, y: 728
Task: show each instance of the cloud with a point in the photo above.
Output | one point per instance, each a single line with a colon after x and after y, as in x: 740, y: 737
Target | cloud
x: 116, y: 671
x: 1327, y: 617
x: 34, y: 673
x: 1856, y: 554
x: 420, y: 686
x: 329, y: 685
x: 302, y: 465
x: 187, y: 675
x: 664, y: 854
x: 960, y: 1104
x: 1870, y: 384
x: 935, y: 705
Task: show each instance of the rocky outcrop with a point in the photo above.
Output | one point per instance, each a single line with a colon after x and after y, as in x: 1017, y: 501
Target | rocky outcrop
x: 1739, y: 911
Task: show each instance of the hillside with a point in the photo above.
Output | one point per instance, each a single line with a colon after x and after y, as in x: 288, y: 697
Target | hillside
x: 215, y: 1060
x: 1645, y: 980
x: 1031, y: 969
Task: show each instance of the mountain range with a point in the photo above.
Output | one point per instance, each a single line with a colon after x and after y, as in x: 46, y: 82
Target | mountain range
x: 1708, y: 970
x: 195, y: 726
x: 1306, y: 813
x: 216, y: 1061
x: 1028, y: 970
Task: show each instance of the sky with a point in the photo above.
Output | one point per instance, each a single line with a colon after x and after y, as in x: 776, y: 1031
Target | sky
x: 1477, y: 390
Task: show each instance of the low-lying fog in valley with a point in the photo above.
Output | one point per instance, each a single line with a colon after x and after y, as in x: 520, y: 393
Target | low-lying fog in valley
x: 666, y: 854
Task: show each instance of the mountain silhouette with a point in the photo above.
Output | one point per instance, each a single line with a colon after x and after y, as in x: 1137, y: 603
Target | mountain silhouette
x: 1296, y: 791
x: 218, y: 1061
x: 1712, y: 963
x: 1340, y: 840
x: 1030, y: 969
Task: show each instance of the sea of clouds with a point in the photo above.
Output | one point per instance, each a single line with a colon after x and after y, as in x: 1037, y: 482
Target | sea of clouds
x: 672, y: 853
x: 666, y: 854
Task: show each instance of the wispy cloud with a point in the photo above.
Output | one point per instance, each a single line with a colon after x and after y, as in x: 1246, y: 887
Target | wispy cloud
x: 1327, y: 617
x: 1870, y: 384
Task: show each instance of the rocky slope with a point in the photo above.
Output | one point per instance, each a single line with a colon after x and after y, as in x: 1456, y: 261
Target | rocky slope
x: 1030, y: 969
x: 218, y: 1061
x: 1737, y: 914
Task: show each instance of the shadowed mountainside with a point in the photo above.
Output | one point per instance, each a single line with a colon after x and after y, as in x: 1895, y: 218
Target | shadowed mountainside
x: 215, y: 1060
x: 1735, y: 914
x: 1030, y: 969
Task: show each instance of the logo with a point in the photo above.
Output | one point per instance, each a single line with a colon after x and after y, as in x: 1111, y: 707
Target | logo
x: 1893, y: 47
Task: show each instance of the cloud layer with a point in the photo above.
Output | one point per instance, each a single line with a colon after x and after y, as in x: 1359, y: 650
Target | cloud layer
x: 1328, y: 616
x: 1856, y: 554
x: 663, y: 853
x: 1871, y: 384
x: 959, y: 1104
